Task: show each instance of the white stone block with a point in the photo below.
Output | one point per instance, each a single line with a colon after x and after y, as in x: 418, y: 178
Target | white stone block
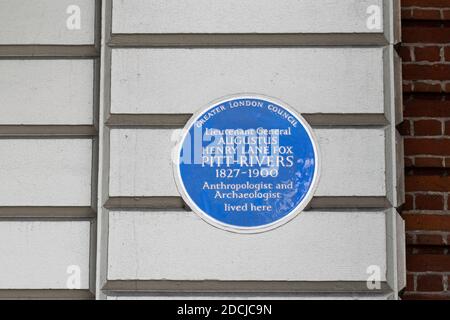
x: 315, y: 246
x: 45, y: 172
x: 47, y: 91
x: 44, y: 254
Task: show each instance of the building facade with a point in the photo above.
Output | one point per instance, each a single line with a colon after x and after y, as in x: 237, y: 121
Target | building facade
x: 93, y: 94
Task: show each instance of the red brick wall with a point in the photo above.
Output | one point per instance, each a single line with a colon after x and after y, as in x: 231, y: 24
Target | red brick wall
x: 426, y: 74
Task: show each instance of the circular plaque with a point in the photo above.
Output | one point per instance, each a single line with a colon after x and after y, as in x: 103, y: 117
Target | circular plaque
x: 247, y: 163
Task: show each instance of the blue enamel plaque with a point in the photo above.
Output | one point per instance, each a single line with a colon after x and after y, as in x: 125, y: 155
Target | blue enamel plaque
x: 247, y: 163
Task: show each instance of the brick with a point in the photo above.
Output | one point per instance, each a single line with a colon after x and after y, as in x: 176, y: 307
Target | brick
x: 426, y: 3
x: 447, y: 52
x: 430, y: 240
x: 409, y: 202
x: 430, y: 283
x: 421, y: 34
x: 429, y: 202
x: 427, y: 222
x: 426, y: 72
x: 409, y: 162
x: 431, y: 54
x: 410, y: 282
x: 420, y: 86
x: 439, y: 147
x: 428, y: 262
x: 407, y: 13
x: 427, y: 183
x: 447, y: 88
x: 427, y: 128
x: 410, y: 238
x: 447, y: 128
x: 446, y: 14
x: 429, y: 162
x: 426, y: 85
x: 407, y: 87
x: 405, y: 128
x: 427, y: 107
x: 426, y: 296
x: 429, y: 250
x: 426, y: 14
x: 405, y: 53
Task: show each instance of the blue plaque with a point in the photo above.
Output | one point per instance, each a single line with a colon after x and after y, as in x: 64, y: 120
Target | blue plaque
x: 247, y: 163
